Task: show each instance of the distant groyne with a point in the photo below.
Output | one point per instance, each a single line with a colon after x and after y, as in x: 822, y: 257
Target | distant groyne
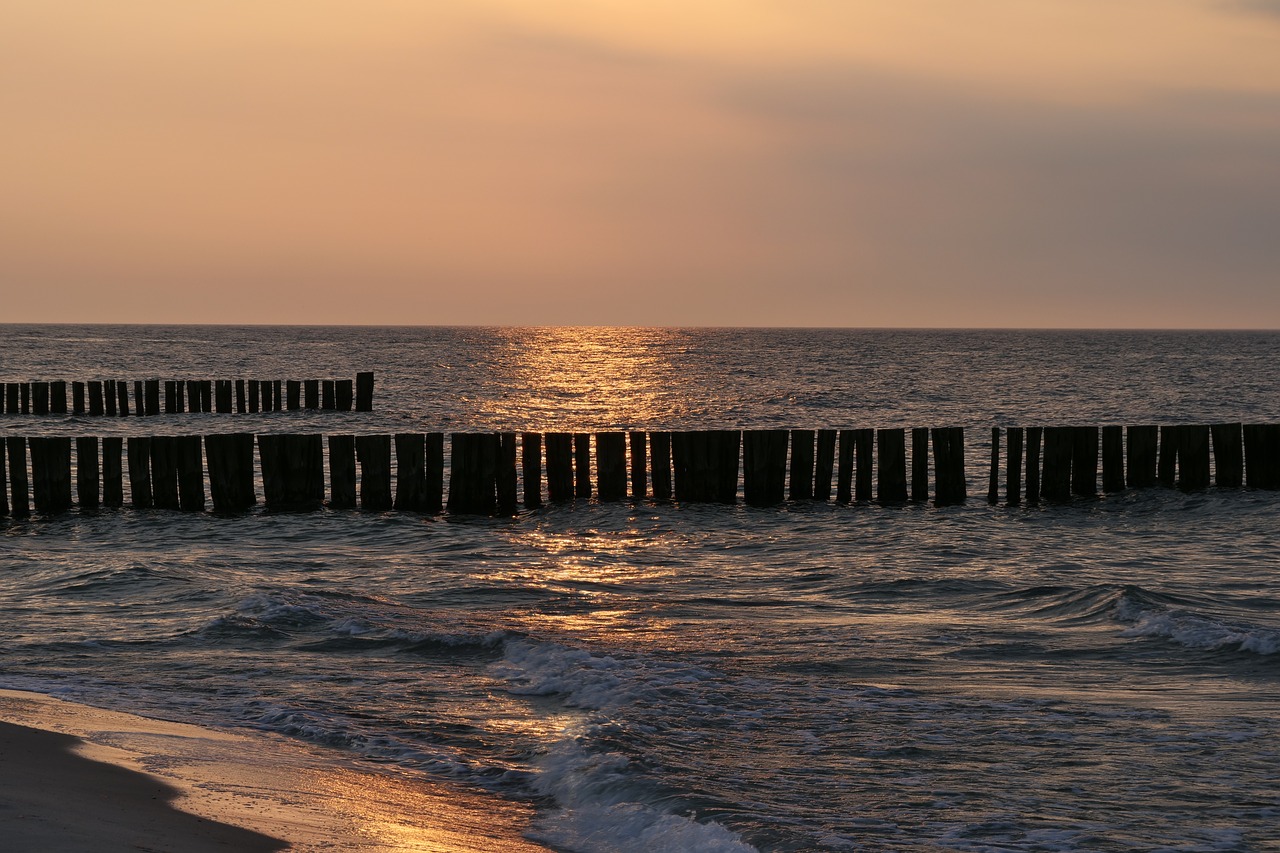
x: 494, y: 473
x: 153, y: 396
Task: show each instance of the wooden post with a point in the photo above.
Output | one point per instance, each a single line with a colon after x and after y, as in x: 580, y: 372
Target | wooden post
x: 639, y: 469
x: 1033, y: 464
x: 193, y: 395
x: 19, y: 484
x: 327, y: 395
x: 293, y: 470
x: 25, y: 405
x: 611, y: 466
x: 11, y: 392
x: 1057, y: 464
x: 364, y: 392
x: 660, y: 464
x: 993, y: 481
x: 1271, y: 446
x: 271, y: 460
x: 374, y: 454
x: 112, y: 482
x: 58, y: 398
x: 891, y: 466
x: 222, y: 396
x: 1228, y: 455
x: 39, y: 401
x: 920, y: 465
x: 241, y: 408
x: 559, y: 466
x: 844, y: 467
x: 139, y: 399
x: 230, y: 457
x: 531, y: 463
x: 433, y: 472
x: 1112, y: 459
x: 96, y: 408
x: 1013, y: 468
x: 164, y: 472
x: 87, y: 477
x: 1140, y: 470
x: 411, y: 448
x: 473, y: 472
x: 51, y: 473
x: 311, y: 394
x: 764, y: 466
x: 1193, y: 459
x: 293, y: 395
x: 206, y: 395
x: 1084, y: 461
x: 948, y: 466
x: 190, y: 463
x: 342, y: 470
x: 109, y: 397
x: 171, y: 397
x: 140, y: 472
x: 268, y: 405
x: 77, y: 398
x: 824, y: 464
x: 682, y: 466
x: 343, y: 395
x: 582, y: 464
x: 507, y: 502
x: 255, y: 396
x: 1170, y: 443
x: 801, y: 468
x: 727, y: 466
x: 277, y: 388
x: 864, y: 465
x: 152, y: 387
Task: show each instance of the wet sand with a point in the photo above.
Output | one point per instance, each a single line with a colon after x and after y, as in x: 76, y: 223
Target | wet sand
x: 75, y: 778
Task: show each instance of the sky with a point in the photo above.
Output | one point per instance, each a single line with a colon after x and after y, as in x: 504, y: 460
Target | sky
x: 857, y: 163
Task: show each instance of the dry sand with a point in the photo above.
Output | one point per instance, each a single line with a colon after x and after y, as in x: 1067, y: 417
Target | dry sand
x: 75, y: 778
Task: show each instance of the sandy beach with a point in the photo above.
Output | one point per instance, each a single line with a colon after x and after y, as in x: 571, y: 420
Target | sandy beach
x: 76, y: 778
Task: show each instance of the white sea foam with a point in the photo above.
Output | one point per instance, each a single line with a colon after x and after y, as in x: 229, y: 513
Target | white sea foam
x: 1199, y: 632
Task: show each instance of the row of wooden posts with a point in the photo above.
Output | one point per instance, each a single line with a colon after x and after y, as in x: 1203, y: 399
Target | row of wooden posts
x: 702, y: 466
x: 110, y: 397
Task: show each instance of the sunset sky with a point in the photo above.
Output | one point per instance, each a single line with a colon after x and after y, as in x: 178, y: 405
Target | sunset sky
x: 1031, y: 163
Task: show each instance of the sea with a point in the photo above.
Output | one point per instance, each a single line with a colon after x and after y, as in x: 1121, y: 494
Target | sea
x: 1102, y: 675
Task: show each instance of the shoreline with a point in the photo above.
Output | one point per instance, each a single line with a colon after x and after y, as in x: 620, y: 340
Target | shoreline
x: 78, y: 778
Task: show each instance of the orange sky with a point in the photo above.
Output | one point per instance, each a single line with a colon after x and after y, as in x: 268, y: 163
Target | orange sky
x: 1079, y: 163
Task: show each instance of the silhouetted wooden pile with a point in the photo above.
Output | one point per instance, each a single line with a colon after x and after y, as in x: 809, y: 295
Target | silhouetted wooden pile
x: 406, y: 472
x: 110, y: 397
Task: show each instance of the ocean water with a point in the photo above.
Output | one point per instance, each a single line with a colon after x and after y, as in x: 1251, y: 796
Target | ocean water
x: 653, y: 677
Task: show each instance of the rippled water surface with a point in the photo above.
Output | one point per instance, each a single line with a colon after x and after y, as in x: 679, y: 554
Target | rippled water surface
x: 1097, y: 676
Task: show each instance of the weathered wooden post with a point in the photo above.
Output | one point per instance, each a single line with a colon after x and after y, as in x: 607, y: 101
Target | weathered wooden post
x: 764, y: 466
x: 824, y: 464
x: 164, y: 472
x: 230, y: 459
x: 311, y: 394
x: 58, y: 398
x: 96, y: 408
x: 206, y: 395
x: 342, y: 470
x: 1271, y: 446
x: 343, y: 395
x: 19, y: 484
x: 411, y: 450
x: 660, y: 464
x: 1228, y: 455
x: 51, y: 473
x: 1013, y: 468
x: 1057, y: 464
x: 241, y: 406
x: 122, y: 397
x: 948, y: 466
x: 1140, y: 470
x: 293, y: 395
x: 190, y: 465
x: 171, y: 397
x: 364, y: 392
x: 639, y: 469
x: 77, y: 398
x: 87, y: 477
x: 531, y: 463
x: 25, y: 393
x: 39, y: 401
x: 433, y: 472
x: 864, y: 471
x: 222, y: 397
x: 993, y: 481
x: 112, y: 481
x: 293, y: 470
x: 1262, y: 456
x: 193, y: 396
x: 891, y: 466
x: 1084, y: 461
x: 327, y: 395
x: 1033, y: 464
x: 152, y: 388
x: 11, y: 392
x: 559, y: 466
x: 255, y: 396
x: 109, y: 397
x: 374, y: 454
x: 1112, y: 459
x: 268, y: 404
x: 682, y: 466
x: 473, y: 468
x: 277, y: 389
x: 1193, y: 459
x: 506, y: 485
x: 844, y: 467
x: 801, y: 465
x: 611, y: 465
x: 582, y: 464
x: 140, y: 472
x: 1170, y: 444
x: 920, y: 465
x: 727, y: 465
